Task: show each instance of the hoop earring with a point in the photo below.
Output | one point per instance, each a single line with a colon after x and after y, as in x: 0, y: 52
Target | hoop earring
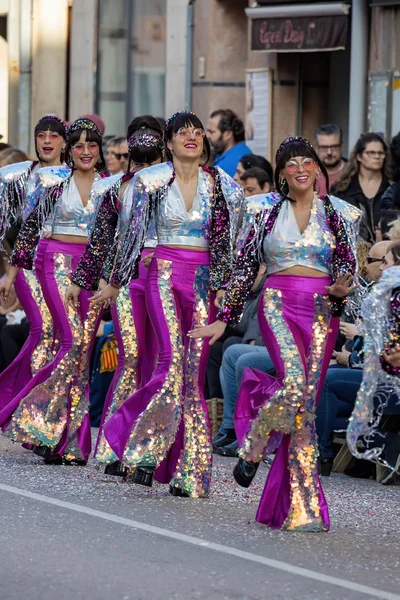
x: 282, y: 181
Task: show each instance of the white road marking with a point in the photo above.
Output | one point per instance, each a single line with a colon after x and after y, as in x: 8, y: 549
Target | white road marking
x: 194, y: 541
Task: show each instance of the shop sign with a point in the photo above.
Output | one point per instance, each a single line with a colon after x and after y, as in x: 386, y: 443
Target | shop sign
x: 299, y: 34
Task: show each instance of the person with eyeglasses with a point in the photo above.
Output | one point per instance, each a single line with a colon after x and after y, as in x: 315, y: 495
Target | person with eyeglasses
x: 365, y: 180
x: 164, y: 425
x: 137, y: 344
x: 329, y: 145
x: 308, y: 244
x: 113, y: 156
x: 18, y: 183
x: 51, y: 411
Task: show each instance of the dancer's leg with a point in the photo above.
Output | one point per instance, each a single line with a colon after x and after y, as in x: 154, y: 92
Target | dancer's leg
x: 143, y: 429
x: 193, y: 467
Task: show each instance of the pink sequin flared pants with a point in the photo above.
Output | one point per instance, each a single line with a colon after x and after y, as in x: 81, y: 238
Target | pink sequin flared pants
x: 165, y: 423
x: 279, y: 413
x: 52, y: 409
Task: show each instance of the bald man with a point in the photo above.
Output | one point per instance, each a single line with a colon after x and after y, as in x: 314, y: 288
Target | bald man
x: 374, y: 260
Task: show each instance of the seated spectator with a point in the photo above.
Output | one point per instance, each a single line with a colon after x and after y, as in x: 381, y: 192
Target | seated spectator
x: 255, y: 181
x: 364, y: 181
x: 343, y: 381
x: 225, y: 132
x: 329, y: 145
x: 251, y: 344
x: 244, y: 332
x: 391, y: 197
x: 104, y: 362
x: 253, y: 160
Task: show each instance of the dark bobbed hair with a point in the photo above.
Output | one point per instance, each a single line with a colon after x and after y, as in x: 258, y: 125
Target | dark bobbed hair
x: 49, y: 124
x: 388, y: 217
x: 91, y: 136
x: 255, y: 160
x: 260, y: 174
x: 229, y: 121
x: 290, y: 150
x: 395, y: 154
x: 185, y: 119
x: 144, y: 154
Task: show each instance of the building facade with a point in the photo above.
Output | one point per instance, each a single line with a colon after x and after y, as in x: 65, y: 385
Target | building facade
x: 283, y: 66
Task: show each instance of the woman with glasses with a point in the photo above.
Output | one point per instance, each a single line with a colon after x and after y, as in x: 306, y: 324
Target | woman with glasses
x: 165, y: 423
x: 51, y: 411
x: 308, y: 245
x: 18, y: 183
x: 365, y: 180
x: 137, y: 344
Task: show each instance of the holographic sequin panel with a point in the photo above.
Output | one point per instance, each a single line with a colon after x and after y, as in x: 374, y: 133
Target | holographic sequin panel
x: 304, y: 513
x: 193, y: 473
x: 41, y: 416
x: 79, y: 399
x: 156, y: 428
x: 279, y: 412
x: 126, y: 384
x: 43, y: 353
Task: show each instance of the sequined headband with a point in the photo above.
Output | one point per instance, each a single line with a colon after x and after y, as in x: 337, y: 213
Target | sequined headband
x: 147, y: 140
x: 51, y: 116
x: 180, y: 112
x: 80, y: 124
x: 289, y: 140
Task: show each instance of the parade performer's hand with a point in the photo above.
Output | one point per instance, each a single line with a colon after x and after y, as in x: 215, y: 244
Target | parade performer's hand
x: 213, y: 331
x: 147, y: 260
x: 107, y: 296
x: 392, y: 356
x: 342, y: 286
x: 6, y: 284
x: 102, y: 284
x: 219, y: 297
x: 72, y: 297
x: 349, y: 330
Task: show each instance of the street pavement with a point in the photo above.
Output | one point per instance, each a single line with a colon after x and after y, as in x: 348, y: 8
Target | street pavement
x: 71, y: 533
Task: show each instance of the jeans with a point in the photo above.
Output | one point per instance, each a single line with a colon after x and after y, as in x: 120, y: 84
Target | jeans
x: 235, y: 359
x: 337, y: 402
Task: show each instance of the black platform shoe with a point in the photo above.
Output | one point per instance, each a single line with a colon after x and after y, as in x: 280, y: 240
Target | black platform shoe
x: 244, y: 472
x: 77, y: 462
x: 53, y: 460
x: 43, y: 451
x: 117, y: 469
x: 144, y: 475
x: 177, y: 491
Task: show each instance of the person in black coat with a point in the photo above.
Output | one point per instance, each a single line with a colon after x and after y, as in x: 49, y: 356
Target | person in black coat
x: 365, y: 180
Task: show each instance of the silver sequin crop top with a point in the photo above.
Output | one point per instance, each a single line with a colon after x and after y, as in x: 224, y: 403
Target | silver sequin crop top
x: 70, y: 217
x: 285, y: 247
x: 178, y: 227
